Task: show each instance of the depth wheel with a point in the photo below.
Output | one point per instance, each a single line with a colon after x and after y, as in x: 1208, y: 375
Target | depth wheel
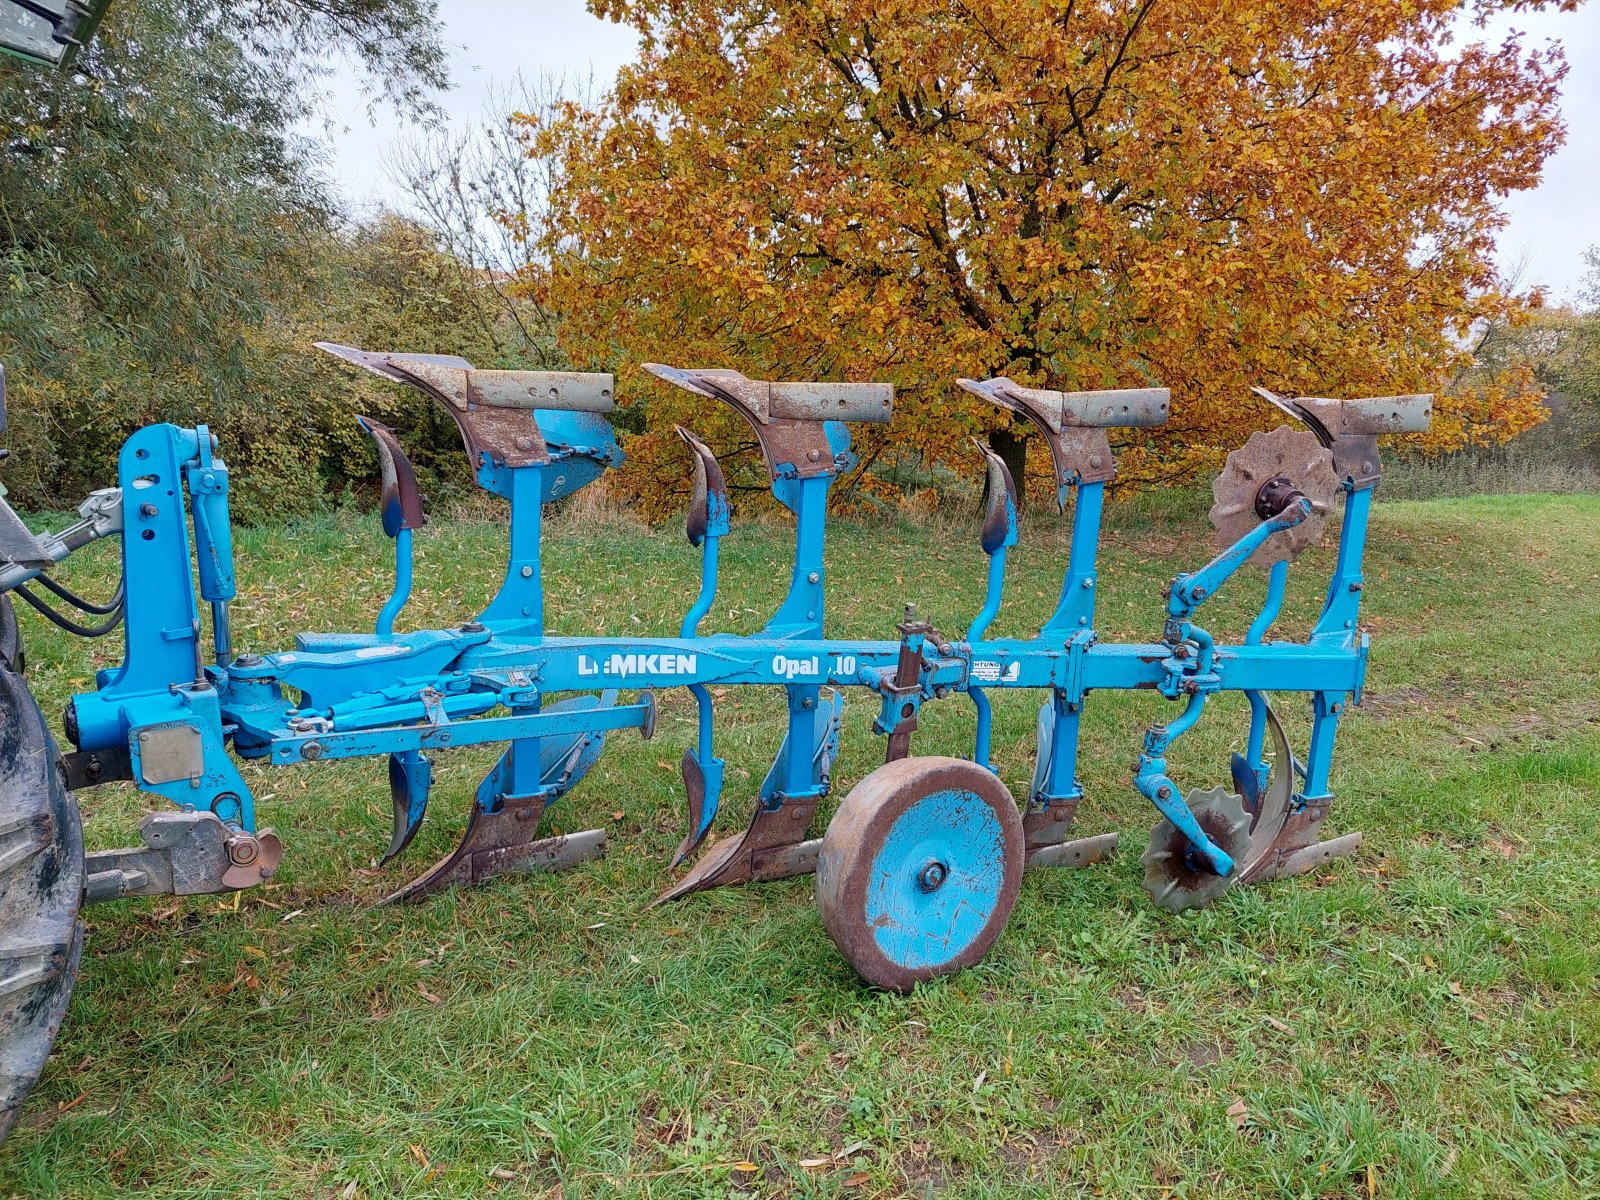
x: 919, y: 870
x: 1178, y: 876
x: 41, y: 887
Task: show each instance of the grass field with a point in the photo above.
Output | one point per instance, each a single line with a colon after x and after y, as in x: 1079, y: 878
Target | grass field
x: 1422, y: 1020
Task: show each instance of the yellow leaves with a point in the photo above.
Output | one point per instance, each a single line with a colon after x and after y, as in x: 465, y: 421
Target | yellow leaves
x: 1299, y: 195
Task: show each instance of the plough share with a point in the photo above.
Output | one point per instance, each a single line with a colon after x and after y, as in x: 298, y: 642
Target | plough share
x: 921, y: 863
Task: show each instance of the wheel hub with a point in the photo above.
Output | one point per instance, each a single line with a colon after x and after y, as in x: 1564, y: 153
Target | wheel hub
x: 931, y: 878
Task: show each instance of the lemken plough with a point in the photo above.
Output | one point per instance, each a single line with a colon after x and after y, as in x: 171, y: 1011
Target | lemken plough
x: 921, y: 862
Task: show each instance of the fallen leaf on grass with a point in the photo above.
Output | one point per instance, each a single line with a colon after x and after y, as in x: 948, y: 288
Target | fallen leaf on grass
x: 618, y: 815
x: 418, y: 1154
x: 1280, y: 1026
x: 857, y: 1180
x: 838, y: 1156
x: 1239, y: 1115
x: 426, y: 994
x: 287, y: 917
x: 349, y: 1190
x: 502, y: 1173
x: 68, y: 1105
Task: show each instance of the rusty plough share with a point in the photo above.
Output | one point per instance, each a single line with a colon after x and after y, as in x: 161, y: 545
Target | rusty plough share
x: 920, y: 865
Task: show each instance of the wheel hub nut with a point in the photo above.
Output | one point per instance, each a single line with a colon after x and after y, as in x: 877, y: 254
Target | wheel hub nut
x: 932, y: 876
x: 242, y: 851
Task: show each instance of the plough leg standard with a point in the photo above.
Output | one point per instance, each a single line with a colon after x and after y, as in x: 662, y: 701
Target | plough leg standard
x: 920, y: 865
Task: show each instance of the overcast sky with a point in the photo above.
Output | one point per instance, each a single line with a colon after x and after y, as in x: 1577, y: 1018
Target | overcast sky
x: 492, y: 40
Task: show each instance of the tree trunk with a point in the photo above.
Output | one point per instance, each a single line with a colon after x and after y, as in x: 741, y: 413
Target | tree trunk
x: 1011, y: 444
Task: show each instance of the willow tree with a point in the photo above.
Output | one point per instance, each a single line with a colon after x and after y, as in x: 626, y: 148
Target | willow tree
x: 1075, y: 193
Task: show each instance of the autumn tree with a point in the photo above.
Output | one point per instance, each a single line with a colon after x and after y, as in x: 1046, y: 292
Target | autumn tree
x: 1074, y: 193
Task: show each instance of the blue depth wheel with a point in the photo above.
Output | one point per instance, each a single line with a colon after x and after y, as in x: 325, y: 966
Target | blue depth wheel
x: 919, y: 870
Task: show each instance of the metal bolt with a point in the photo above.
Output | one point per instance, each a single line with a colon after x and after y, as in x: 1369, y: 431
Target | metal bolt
x: 248, y: 660
x: 808, y: 702
x: 940, y: 692
x: 524, y: 443
x: 527, y: 572
x: 945, y: 648
x: 1356, y: 586
x: 148, y: 510
x: 932, y: 876
x: 813, y: 578
x: 1199, y: 593
x: 144, y: 737
x: 1366, y: 468
x: 1088, y: 581
x: 1164, y: 792
x: 1096, y: 462
x: 311, y: 751
x: 812, y: 455
x: 242, y: 851
x: 472, y: 627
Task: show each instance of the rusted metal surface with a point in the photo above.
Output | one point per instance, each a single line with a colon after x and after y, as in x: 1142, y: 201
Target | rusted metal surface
x: 907, y: 683
x: 751, y: 855
x: 493, y: 409
x: 1080, y: 852
x: 855, y: 402
x: 1076, y: 453
x: 1351, y: 428
x: 709, y: 485
x: 184, y: 854
x: 503, y: 843
x: 1255, y: 473
x: 853, y: 858
x: 401, y: 503
x: 467, y: 388
x: 41, y: 887
x: 694, y: 790
x: 787, y: 418
x: 1176, y: 875
x: 999, y: 502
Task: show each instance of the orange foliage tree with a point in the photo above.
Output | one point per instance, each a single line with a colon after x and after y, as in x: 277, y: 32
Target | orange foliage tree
x: 1075, y: 193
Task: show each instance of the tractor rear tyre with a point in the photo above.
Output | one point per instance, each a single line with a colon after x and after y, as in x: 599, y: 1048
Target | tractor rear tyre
x: 10, y: 637
x: 41, y: 888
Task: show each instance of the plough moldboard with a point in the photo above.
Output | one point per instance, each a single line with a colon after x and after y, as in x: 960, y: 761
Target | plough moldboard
x: 921, y: 863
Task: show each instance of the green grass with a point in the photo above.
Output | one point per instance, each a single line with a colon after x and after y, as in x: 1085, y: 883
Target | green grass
x: 1422, y: 1020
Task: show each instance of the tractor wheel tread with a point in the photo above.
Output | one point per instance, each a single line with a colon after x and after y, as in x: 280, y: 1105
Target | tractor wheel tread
x: 41, y: 888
